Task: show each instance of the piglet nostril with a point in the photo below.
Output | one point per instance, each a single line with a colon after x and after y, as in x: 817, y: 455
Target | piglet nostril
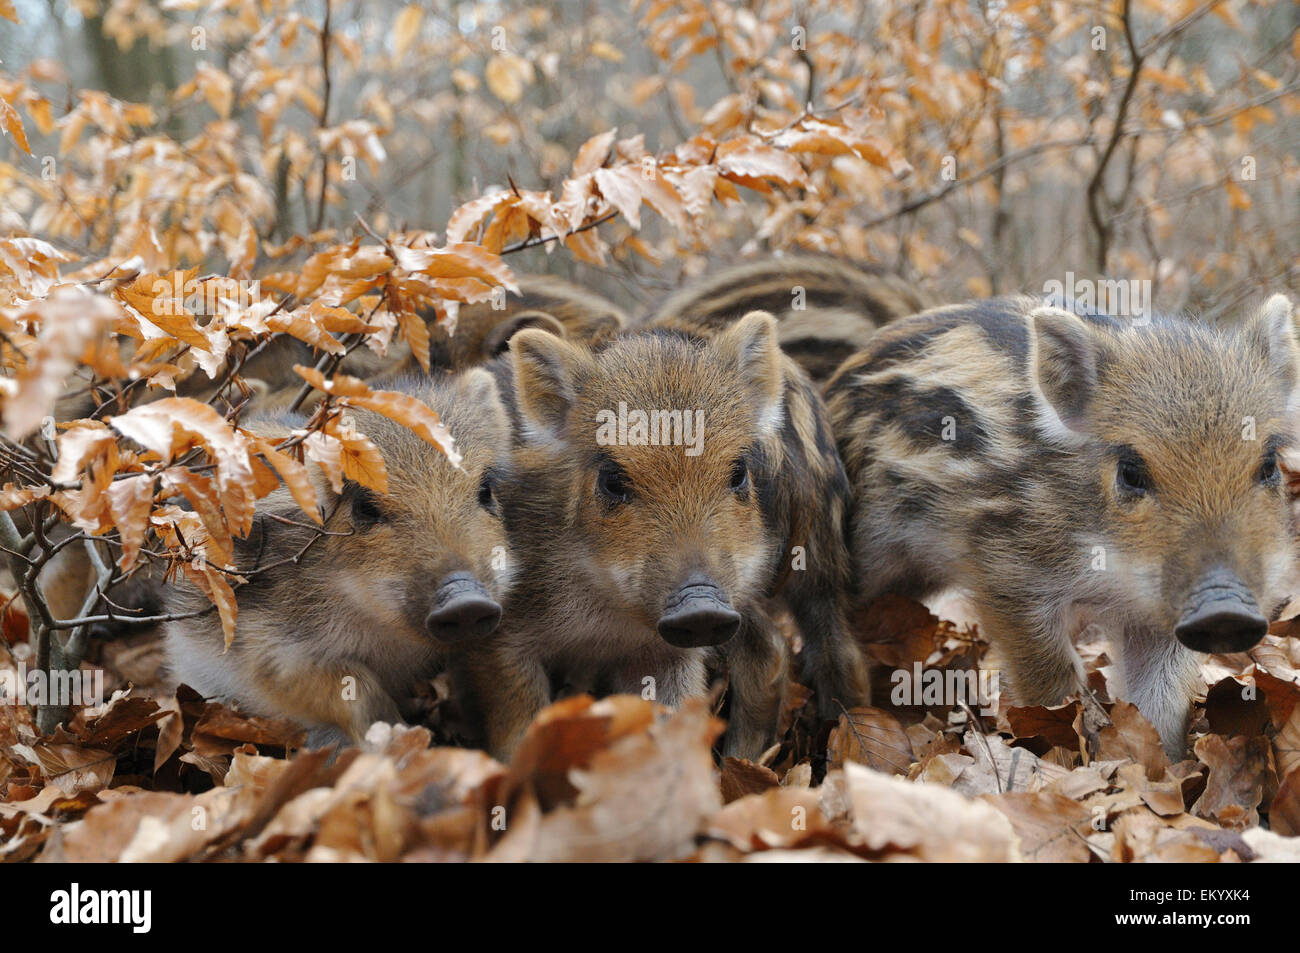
x: 699, y: 628
x: 1221, y: 616
x: 1222, y: 629
x: 465, y: 617
x: 462, y: 609
x: 698, y: 615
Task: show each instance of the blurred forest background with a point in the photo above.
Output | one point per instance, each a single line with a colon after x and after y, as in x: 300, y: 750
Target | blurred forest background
x: 978, y: 146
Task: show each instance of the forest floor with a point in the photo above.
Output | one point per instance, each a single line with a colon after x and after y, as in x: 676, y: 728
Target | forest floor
x: 158, y: 774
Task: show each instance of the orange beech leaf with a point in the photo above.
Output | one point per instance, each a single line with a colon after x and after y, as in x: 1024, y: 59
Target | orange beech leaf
x: 295, y: 477
x: 182, y: 328
x: 339, y: 320
x: 416, y: 332
x: 362, y: 462
x: 695, y: 186
x: 577, y: 201
x: 452, y: 291
x: 337, y: 261
x: 12, y: 497
x: 12, y: 123
x: 469, y: 216
x: 87, y: 439
x: 174, y: 524
x: 325, y: 451
x: 214, y: 585
x: 510, y: 224
x: 541, y: 209
x: 623, y: 188
x: 264, y: 479
x: 660, y: 194
x: 130, y: 503
x: 593, y: 152
x: 199, y: 490
x: 412, y: 413
x: 364, y: 263
x: 627, y: 186
x: 166, y: 425
x: 87, y: 506
x: 351, y: 290
x: 160, y: 300
x: 340, y: 385
x: 300, y: 325
x: 459, y: 260
x: 749, y: 160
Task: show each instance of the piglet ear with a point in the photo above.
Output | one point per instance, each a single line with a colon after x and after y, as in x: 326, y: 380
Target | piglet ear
x: 480, y: 387
x: 752, y: 343
x: 1274, y: 329
x: 497, y: 340
x: 545, y: 368
x: 482, y: 395
x: 1063, y: 370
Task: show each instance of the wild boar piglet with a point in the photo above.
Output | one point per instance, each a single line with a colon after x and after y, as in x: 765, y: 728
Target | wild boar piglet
x: 1071, y: 470
x: 340, y: 638
x: 667, y: 489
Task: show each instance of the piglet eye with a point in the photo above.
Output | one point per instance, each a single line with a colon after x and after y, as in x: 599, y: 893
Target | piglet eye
x: 612, y: 483
x: 1131, y: 475
x: 487, y: 491
x: 365, y: 509
x: 739, y: 476
x: 1270, y: 474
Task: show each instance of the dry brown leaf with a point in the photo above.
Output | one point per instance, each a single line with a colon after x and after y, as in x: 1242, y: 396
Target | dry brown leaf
x: 1131, y: 736
x: 413, y: 413
x: 781, y: 817
x: 738, y: 777
x: 1142, y: 838
x: 130, y: 502
x: 12, y: 123
x: 220, y: 730
x: 1052, y: 828
x: 295, y: 477
x: 154, y: 827
x: 567, y: 735
x: 71, y: 768
x: 898, y: 631
x: 642, y: 798
x: 1234, y: 707
x: 872, y: 737
x: 924, y: 821
x: 1284, y: 812
x: 1053, y: 724
x: 1241, y: 770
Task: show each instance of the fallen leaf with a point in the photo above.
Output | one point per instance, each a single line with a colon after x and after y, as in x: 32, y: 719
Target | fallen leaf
x: 872, y: 737
x: 924, y: 821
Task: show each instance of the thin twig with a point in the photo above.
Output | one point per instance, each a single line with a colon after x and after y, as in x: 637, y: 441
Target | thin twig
x: 535, y: 242
x: 1096, y: 185
x: 930, y: 198
x: 324, y: 115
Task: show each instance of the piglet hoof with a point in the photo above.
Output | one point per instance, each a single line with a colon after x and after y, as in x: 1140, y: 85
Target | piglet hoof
x: 1094, y: 719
